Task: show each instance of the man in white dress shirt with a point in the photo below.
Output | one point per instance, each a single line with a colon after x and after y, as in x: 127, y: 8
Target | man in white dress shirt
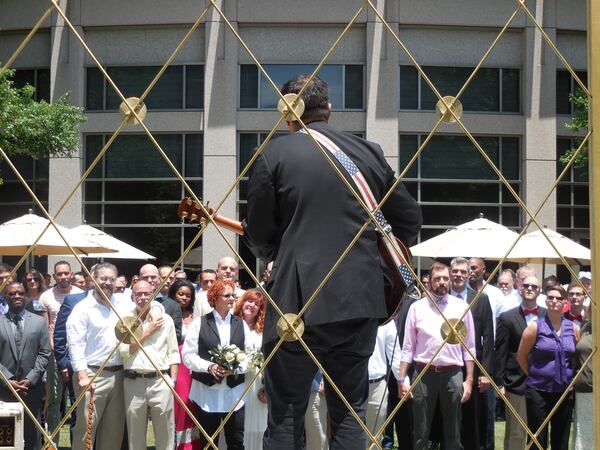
x: 144, y: 389
x: 91, y: 337
x: 386, y: 355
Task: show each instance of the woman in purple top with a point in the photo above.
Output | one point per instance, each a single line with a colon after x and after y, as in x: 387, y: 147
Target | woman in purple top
x: 546, y: 354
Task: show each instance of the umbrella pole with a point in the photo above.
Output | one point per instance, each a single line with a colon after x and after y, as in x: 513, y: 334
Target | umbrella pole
x: 543, y: 269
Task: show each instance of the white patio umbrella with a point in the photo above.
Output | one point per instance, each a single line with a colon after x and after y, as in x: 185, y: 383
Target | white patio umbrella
x: 123, y: 250
x: 534, y: 248
x: 480, y: 237
x: 17, y: 235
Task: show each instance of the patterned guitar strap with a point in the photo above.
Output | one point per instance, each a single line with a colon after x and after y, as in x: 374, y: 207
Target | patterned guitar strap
x: 369, y: 199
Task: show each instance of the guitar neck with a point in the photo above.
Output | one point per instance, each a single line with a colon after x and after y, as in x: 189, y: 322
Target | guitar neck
x: 229, y: 224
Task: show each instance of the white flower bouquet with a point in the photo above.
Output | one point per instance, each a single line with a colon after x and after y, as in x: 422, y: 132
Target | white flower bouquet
x: 228, y: 356
x: 255, y: 359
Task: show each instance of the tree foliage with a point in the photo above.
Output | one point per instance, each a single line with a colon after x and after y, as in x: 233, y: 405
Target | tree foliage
x: 36, y: 128
x: 579, y: 121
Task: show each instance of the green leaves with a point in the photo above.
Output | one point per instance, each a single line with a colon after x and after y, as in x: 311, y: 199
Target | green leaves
x: 37, y: 129
x: 579, y: 121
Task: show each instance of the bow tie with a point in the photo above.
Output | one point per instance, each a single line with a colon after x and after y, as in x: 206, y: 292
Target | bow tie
x: 533, y: 311
x: 575, y: 317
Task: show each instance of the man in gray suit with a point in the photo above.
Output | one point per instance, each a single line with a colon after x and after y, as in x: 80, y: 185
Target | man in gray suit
x: 24, y: 353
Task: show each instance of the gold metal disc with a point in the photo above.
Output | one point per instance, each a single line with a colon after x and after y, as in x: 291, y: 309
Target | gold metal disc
x: 133, y: 324
x: 295, y: 102
x: 287, y: 333
x: 443, y: 112
x: 460, y: 329
x: 125, y: 112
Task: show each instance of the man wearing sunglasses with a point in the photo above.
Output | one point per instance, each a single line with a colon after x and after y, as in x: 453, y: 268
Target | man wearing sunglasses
x: 509, y: 376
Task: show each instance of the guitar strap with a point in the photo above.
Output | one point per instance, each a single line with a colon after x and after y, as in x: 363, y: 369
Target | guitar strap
x: 369, y: 199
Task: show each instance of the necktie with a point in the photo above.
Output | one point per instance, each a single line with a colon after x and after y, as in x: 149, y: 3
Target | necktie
x: 533, y: 311
x: 18, y: 332
x: 460, y: 296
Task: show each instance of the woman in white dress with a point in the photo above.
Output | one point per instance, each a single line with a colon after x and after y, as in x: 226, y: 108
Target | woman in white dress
x: 251, y: 308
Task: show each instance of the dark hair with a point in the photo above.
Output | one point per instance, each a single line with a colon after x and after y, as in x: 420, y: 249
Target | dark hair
x: 183, y: 283
x: 38, y: 277
x: 559, y: 288
x: 60, y: 263
x: 213, y: 271
x: 5, y: 267
x: 315, y: 97
x: 437, y: 267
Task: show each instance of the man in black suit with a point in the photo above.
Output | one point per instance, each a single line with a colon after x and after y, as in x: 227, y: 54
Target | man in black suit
x: 24, y: 353
x: 509, y: 376
x: 302, y: 216
x: 474, y: 425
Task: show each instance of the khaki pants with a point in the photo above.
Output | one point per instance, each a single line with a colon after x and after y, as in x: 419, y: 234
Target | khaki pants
x: 376, y: 409
x: 143, y: 395
x: 515, y: 435
x: 109, y: 413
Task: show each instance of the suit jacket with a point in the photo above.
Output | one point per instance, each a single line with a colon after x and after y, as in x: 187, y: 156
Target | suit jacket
x: 29, y: 361
x: 61, y: 350
x: 511, y: 325
x: 173, y: 309
x: 302, y: 216
x: 484, y: 332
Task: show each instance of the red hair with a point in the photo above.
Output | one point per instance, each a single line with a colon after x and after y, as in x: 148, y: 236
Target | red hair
x: 252, y: 294
x: 217, y: 288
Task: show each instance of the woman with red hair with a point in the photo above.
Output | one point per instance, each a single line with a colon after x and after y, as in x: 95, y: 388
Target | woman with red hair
x: 251, y: 308
x: 216, y: 389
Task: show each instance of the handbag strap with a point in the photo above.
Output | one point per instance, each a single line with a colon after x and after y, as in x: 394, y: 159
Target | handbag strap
x: 369, y: 199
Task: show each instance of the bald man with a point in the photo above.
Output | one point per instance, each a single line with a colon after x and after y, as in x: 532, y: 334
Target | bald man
x: 150, y: 274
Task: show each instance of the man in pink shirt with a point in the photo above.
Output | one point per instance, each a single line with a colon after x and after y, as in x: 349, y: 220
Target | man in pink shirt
x: 444, y: 378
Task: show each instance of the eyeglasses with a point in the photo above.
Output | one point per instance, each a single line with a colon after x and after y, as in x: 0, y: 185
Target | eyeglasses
x: 120, y: 289
x: 554, y: 297
x: 233, y: 296
x: 576, y: 294
x: 30, y: 280
x: 531, y: 286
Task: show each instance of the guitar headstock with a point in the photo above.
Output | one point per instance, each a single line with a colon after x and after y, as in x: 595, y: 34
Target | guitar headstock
x: 191, y: 210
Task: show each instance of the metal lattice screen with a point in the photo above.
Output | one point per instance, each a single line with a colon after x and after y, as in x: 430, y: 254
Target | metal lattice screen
x: 449, y: 108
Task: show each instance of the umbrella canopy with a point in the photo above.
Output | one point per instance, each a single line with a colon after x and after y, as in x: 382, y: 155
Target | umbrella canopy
x: 123, y: 250
x: 17, y: 235
x: 535, y: 248
x: 480, y: 237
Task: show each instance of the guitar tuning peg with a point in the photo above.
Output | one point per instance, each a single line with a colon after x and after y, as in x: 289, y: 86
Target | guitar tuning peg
x: 184, y: 214
x: 193, y: 217
x: 189, y: 201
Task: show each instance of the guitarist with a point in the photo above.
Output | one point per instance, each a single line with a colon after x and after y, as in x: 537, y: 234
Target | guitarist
x: 301, y: 216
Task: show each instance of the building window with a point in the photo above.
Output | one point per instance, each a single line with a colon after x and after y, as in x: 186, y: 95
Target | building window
x: 454, y: 184
x: 180, y: 87
x: 38, y: 78
x: 492, y: 89
x: 572, y: 197
x: 345, y: 82
x: 565, y: 86
x: 133, y: 194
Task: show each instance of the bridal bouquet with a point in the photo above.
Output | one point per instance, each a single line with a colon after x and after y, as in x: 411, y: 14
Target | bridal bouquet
x: 255, y: 359
x: 228, y: 356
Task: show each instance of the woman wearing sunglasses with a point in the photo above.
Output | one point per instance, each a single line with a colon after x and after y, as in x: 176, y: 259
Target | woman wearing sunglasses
x: 34, y: 284
x: 546, y: 355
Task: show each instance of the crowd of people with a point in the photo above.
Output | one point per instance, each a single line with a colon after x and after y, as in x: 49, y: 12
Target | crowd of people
x: 530, y: 338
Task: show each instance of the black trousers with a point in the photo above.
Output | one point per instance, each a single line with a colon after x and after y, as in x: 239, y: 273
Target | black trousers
x: 474, y: 419
x: 344, y: 349
x: 403, y: 420
x: 234, y: 428
x: 539, y: 404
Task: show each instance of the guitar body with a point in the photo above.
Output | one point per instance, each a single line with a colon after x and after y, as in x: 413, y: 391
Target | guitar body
x: 394, y: 285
